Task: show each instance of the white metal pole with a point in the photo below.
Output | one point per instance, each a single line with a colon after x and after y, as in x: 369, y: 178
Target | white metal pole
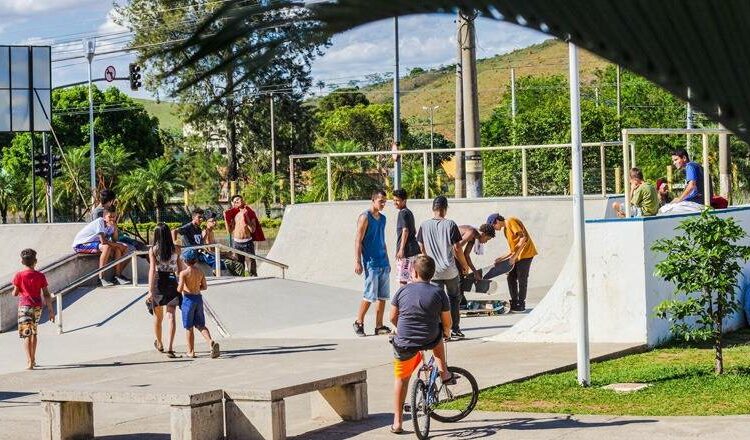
x: 619, y: 103
x: 632, y: 155
x: 513, y: 94
x: 329, y: 184
x: 603, y: 169
x: 396, y: 113
x: 688, y: 120
x: 217, y: 262
x: 59, y: 317
x: 579, y: 232
x: 432, y: 142
x: 524, y: 174
x: 273, y: 141
x: 706, y: 175
x: 90, y: 46
x: 291, y: 181
x: 425, y: 181
x: 626, y: 171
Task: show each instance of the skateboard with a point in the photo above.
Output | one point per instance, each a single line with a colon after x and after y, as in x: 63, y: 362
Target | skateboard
x: 487, y: 284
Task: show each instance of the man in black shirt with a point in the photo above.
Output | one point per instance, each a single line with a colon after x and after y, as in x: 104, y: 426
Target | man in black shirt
x: 192, y: 235
x: 407, y: 247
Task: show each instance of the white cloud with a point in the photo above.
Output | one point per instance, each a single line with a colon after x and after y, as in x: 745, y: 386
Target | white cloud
x: 24, y: 8
x: 424, y: 41
x: 109, y: 26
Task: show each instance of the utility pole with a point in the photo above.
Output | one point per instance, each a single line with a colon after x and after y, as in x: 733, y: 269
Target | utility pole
x: 619, y: 105
x: 460, y: 178
x: 273, y: 140
x: 48, y: 152
x: 513, y: 107
x: 396, y: 114
x: 725, y: 171
x: 89, y: 47
x: 431, y: 109
x: 471, y: 107
x: 688, y: 120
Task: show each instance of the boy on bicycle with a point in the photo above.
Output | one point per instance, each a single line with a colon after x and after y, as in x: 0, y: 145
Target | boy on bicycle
x: 421, y: 313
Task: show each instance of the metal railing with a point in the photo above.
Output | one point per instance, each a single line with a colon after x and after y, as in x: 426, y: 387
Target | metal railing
x: 425, y: 152
x: 133, y: 256
x: 704, y: 132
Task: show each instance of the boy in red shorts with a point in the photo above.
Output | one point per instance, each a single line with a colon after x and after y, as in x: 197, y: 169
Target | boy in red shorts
x: 29, y: 285
x: 421, y: 313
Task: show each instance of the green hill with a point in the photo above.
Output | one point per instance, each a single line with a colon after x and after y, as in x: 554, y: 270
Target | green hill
x: 438, y: 86
x: 165, y: 112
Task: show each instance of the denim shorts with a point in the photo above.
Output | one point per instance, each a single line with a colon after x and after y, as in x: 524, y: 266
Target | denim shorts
x: 377, y: 284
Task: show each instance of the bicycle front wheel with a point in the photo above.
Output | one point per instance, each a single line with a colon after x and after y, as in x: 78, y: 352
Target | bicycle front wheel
x: 420, y: 410
x: 456, y: 401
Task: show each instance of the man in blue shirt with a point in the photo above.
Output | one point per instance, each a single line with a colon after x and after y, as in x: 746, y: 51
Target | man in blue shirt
x: 693, y: 178
x: 371, y: 258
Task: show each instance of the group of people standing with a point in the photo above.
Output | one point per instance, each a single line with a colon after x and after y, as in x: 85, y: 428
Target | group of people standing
x: 447, y: 245
x: 174, y: 279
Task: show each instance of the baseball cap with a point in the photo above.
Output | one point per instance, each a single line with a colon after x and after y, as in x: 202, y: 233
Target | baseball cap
x: 440, y: 202
x: 494, y: 218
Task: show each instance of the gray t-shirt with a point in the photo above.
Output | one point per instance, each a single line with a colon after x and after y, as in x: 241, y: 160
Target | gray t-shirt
x: 438, y: 235
x: 419, y: 306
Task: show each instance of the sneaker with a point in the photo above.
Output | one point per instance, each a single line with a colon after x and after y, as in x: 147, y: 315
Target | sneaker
x: 105, y: 283
x: 121, y: 280
x: 457, y: 334
x: 215, y: 351
x: 382, y: 330
x: 359, y: 328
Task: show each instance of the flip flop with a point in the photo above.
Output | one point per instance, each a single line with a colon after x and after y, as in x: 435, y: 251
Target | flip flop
x: 396, y: 431
x: 215, y: 350
x: 156, y: 346
x: 171, y: 355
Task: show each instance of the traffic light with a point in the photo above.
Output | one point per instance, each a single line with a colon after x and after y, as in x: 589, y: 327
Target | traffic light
x: 55, y: 166
x: 41, y: 165
x: 135, y: 76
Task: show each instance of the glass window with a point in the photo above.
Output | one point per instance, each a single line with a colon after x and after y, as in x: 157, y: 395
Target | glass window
x: 19, y: 67
x: 4, y: 110
x: 41, y: 58
x: 20, y: 113
x: 4, y: 67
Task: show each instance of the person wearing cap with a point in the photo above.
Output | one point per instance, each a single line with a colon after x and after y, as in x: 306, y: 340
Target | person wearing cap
x: 521, y: 251
x: 440, y: 239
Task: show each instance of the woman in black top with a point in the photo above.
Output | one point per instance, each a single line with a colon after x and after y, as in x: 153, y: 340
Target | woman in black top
x: 165, y: 264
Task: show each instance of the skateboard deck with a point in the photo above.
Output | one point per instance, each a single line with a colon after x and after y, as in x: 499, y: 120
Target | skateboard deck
x: 486, y: 284
x: 500, y: 268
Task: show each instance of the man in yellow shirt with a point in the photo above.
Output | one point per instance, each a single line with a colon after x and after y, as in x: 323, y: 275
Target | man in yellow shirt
x: 521, y: 251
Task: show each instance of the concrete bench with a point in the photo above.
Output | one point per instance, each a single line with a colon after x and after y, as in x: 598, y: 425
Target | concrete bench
x: 261, y: 415
x: 69, y: 414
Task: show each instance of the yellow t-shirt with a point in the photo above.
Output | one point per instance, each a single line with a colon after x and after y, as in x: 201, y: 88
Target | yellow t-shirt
x: 514, y: 230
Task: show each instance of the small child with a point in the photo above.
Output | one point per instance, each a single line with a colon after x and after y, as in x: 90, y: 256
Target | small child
x: 29, y: 285
x: 191, y: 283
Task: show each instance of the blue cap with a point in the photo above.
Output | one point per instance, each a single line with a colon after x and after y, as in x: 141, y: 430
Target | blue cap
x: 190, y: 255
x: 493, y: 218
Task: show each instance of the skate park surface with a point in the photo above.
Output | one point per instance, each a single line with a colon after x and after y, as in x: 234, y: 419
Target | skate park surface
x: 274, y: 330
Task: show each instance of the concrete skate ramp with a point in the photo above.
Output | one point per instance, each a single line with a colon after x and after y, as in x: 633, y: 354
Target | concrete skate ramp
x: 316, y: 240
x: 51, y: 241
x: 622, y: 290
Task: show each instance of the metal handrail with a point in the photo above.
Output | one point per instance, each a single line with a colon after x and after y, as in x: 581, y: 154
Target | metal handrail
x: 134, y: 271
x: 44, y: 269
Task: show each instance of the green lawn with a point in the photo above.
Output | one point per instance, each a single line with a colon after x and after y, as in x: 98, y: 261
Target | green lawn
x: 165, y: 112
x: 681, y: 377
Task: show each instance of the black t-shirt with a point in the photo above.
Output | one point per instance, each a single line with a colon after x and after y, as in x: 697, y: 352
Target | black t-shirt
x: 420, y: 305
x: 192, y: 235
x: 406, y: 220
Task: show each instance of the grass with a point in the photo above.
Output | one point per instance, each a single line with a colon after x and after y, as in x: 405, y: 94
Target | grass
x: 681, y: 377
x: 165, y: 112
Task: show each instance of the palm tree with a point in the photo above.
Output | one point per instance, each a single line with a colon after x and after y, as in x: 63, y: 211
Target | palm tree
x: 351, y: 177
x: 71, y: 190
x: 150, y: 187
x: 112, y: 160
x: 261, y: 188
x: 412, y: 180
x: 669, y: 52
x: 7, y: 193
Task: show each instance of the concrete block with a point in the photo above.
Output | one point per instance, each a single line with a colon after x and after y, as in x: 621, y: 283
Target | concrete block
x: 67, y: 420
x: 255, y: 420
x: 347, y: 402
x: 203, y: 422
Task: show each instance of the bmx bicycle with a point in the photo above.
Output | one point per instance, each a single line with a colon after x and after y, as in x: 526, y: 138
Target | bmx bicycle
x: 433, y: 399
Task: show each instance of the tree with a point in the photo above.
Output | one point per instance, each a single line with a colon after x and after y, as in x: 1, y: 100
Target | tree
x: 215, y: 89
x: 703, y: 263
x: 202, y: 171
x: 112, y: 161
x: 352, y: 178
x: 260, y: 188
x: 370, y: 126
x: 149, y: 188
x: 342, y: 97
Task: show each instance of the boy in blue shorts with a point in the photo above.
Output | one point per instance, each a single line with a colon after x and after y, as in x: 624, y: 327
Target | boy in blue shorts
x: 30, y: 286
x: 421, y: 313
x: 192, y: 281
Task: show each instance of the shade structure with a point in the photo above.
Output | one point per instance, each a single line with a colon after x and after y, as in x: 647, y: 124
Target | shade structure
x: 677, y: 44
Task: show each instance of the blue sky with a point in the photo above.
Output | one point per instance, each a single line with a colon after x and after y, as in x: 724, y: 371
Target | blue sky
x: 425, y: 40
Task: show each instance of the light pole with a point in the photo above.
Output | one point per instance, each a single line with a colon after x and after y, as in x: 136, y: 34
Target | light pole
x: 89, y: 46
x: 431, y: 109
x: 396, y: 114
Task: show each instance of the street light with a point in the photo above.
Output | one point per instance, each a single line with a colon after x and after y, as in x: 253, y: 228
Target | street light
x: 432, y: 109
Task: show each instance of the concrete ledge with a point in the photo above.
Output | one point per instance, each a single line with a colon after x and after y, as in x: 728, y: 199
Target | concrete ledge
x: 145, y: 396
x: 272, y: 392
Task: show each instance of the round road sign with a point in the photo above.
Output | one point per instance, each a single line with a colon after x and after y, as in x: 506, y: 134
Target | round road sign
x: 110, y: 73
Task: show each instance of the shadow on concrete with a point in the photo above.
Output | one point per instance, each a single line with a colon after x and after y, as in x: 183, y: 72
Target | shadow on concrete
x: 142, y: 436
x: 112, y: 316
x: 108, y: 364
x: 10, y: 395
x: 346, y: 430
x: 488, y: 327
x: 277, y: 350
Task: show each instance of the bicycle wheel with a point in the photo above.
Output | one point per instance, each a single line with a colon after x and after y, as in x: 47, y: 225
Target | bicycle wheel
x: 420, y: 410
x: 456, y: 401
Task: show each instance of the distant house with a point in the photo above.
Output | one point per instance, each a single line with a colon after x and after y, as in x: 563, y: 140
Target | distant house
x: 214, y: 138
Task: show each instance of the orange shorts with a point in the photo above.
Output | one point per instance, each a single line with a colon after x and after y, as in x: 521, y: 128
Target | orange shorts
x: 404, y: 369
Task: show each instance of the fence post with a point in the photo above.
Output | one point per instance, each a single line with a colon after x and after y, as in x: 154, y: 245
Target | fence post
x: 134, y: 269
x: 328, y: 178
x: 625, y: 169
x: 425, y: 180
x: 618, y: 180
x: 603, y: 169
x: 59, y: 318
x: 669, y: 176
x: 524, y: 174
x: 291, y: 181
x: 706, y: 175
x: 632, y: 155
x: 217, y: 263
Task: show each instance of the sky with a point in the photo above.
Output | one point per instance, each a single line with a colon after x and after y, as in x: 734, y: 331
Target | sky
x: 424, y: 41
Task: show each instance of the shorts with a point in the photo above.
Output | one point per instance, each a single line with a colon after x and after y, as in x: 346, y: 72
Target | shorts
x: 377, y: 284
x: 28, y: 320
x: 403, y: 369
x: 244, y: 246
x: 636, y: 211
x: 404, y: 267
x: 87, y: 248
x: 192, y: 311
